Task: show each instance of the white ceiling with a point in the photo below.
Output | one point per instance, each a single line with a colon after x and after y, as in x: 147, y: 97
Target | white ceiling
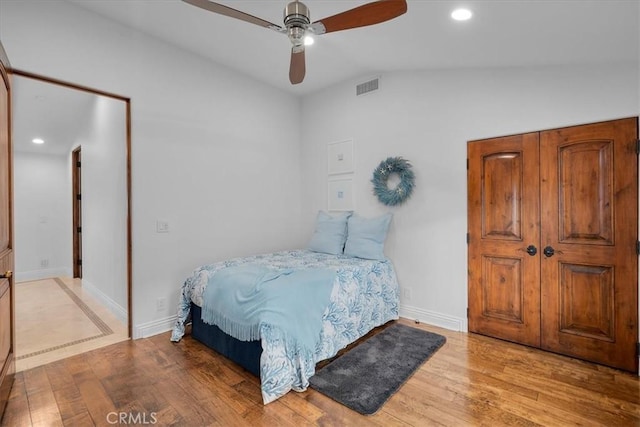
x: 48, y: 111
x: 501, y: 33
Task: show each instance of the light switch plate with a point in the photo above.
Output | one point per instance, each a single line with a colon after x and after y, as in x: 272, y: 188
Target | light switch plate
x: 162, y: 226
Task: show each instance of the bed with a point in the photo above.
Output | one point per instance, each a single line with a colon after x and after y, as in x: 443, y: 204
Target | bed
x: 363, y: 294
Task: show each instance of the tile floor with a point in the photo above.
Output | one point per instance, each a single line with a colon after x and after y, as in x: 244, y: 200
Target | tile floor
x: 56, y: 318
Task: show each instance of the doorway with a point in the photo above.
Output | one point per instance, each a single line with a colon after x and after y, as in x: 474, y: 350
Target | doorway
x: 76, y: 203
x: 98, y: 229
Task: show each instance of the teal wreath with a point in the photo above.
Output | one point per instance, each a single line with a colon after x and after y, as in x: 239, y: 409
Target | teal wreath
x: 399, y: 194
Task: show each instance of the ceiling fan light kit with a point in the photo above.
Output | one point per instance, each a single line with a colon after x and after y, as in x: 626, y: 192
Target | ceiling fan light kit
x: 296, y: 19
x: 297, y: 24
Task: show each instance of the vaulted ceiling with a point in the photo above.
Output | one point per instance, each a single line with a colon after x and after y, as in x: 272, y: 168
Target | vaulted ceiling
x: 500, y: 33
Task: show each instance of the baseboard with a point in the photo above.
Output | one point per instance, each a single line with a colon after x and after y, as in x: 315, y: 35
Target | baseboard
x: 115, y: 308
x: 154, y: 327
x: 159, y: 326
x: 434, y: 318
x: 28, y: 276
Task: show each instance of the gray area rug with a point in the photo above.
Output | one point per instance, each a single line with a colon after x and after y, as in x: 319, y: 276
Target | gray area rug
x: 365, y: 377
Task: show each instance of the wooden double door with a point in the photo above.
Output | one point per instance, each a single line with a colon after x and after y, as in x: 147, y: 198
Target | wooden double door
x: 553, y: 232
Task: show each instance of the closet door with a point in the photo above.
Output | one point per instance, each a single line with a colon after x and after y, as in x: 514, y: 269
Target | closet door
x: 589, y: 265
x: 503, y: 219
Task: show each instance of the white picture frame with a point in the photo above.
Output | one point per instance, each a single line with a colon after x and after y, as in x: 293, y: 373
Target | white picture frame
x: 340, y: 195
x: 340, y: 157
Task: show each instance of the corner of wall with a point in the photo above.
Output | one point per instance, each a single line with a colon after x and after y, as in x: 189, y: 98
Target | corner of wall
x: 114, y: 307
x: 154, y: 327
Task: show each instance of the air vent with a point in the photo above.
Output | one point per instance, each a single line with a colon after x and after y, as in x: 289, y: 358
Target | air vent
x: 367, y: 87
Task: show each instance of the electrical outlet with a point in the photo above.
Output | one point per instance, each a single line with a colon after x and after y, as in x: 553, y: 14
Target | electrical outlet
x: 44, y: 263
x: 161, y: 304
x: 408, y: 293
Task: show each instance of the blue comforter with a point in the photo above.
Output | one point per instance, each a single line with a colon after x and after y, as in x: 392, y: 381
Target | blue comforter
x: 241, y: 299
x: 364, y: 295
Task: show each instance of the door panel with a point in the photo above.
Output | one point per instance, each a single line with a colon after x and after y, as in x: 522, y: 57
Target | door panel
x: 589, y: 202
x: 7, y: 338
x: 587, y: 286
x: 503, y: 212
x: 501, y: 192
x: 503, y: 301
x: 5, y: 188
x: 584, y: 188
x: 5, y: 319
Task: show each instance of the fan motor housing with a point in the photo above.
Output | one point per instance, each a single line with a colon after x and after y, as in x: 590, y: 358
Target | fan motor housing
x: 296, y: 14
x: 296, y: 19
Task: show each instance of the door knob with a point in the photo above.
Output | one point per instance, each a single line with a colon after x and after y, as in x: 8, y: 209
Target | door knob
x: 6, y: 275
x: 548, y: 251
x: 532, y: 250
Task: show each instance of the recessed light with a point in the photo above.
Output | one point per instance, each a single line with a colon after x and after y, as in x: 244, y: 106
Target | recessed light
x: 37, y: 141
x: 461, y: 14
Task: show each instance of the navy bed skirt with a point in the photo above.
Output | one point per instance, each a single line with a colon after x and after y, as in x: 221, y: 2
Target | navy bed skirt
x: 244, y: 353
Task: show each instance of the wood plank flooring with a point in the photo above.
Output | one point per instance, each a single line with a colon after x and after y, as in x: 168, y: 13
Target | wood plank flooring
x: 471, y: 381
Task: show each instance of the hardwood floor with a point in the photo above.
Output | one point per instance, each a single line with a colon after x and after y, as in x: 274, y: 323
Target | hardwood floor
x: 472, y: 380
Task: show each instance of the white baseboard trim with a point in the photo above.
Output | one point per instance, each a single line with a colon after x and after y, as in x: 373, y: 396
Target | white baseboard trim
x: 434, y: 318
x: 159, y: 326
x: 155, y: 327
x: 28, y: 276
x: 115, y: 308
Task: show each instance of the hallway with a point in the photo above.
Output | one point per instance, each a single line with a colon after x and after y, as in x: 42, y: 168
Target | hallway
x: 56, y: 318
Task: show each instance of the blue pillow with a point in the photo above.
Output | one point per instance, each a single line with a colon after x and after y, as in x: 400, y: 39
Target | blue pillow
x: 365, y: 236
x: 330, y: 233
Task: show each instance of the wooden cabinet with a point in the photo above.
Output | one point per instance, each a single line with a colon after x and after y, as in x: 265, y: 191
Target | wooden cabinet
x: 553, y: 226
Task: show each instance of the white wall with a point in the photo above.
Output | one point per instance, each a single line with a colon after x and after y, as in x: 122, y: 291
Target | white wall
x: 427, y: 117
x: 104, y: 203
x: 42, y: 212
x: 224, y: 159
x: 214, y: 153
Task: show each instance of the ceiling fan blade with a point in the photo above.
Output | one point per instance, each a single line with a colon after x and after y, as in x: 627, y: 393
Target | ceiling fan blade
x: 233, y: 13
x: 361, y: 16
x: 297, y: 68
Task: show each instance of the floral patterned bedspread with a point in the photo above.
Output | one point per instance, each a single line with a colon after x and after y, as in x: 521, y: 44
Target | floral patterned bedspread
x: 365, y: 295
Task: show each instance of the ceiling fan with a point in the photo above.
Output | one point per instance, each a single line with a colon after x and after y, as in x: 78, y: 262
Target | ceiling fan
x: 297, y: 24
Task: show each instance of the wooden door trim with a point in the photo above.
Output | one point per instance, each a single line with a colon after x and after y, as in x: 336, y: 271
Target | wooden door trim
x: 127, y: 102
x: 7, y: 373
x: 27, y: 74
x: 76, y: 191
